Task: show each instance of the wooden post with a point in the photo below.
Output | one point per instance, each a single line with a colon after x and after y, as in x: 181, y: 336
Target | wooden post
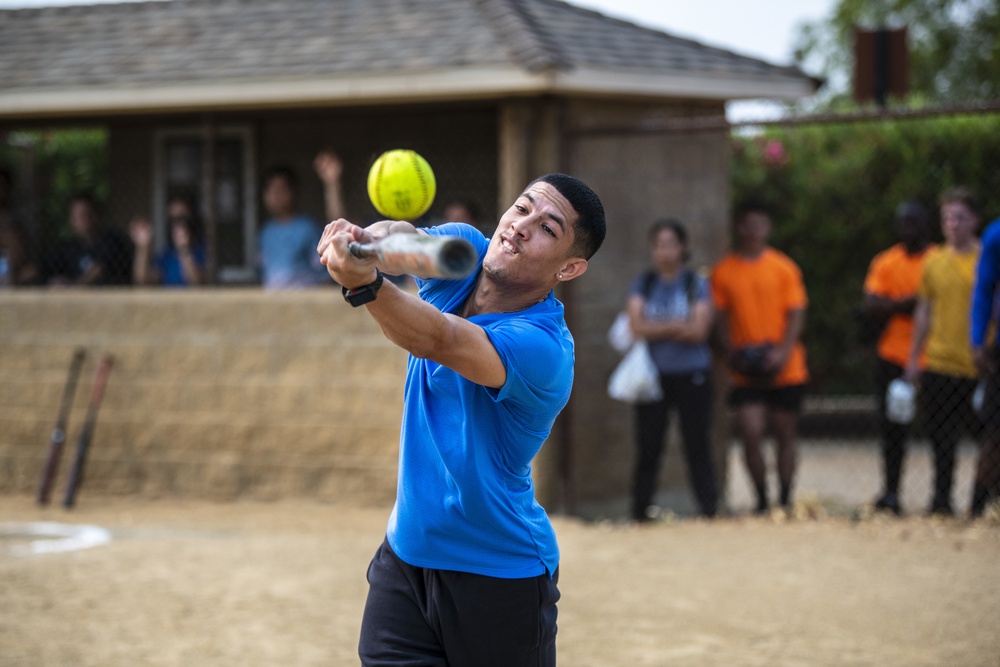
x: 209, y: 203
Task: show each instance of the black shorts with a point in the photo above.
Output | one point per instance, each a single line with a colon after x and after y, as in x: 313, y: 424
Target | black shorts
x: 421, y: 616
x: 989, y: 411
x: 787, y: 398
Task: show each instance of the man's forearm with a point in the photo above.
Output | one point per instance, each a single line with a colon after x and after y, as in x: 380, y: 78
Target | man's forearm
x: 793, y: 331
x: 409, y: 322
x: 334, y: 199
x: 190, y: 269
x: 140, y: 266
x: 427, y: 333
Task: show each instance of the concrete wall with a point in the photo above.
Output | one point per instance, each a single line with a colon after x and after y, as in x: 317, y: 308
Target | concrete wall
x: 214, y: 394
x: 641, y: 176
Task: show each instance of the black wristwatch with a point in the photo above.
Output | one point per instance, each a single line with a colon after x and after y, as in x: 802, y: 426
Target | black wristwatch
x: 359, y: 296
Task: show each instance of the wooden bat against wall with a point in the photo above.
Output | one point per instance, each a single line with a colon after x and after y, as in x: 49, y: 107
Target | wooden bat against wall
x: 87, y: 432
x: 58, y: 437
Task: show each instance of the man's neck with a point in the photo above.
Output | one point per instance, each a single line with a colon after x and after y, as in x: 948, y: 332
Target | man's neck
x: 752, y: 251
x: 488, y: 297
x: 669, y: 272
x: 965, y: 246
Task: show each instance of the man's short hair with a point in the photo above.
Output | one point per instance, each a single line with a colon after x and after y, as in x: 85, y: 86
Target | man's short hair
x: 282, y: 171
x: 912, y: 210
x: 675, y: 226
x: 752, y: 204
x: 591, y: 226
x: 961, y: 195
x: 85, y: 196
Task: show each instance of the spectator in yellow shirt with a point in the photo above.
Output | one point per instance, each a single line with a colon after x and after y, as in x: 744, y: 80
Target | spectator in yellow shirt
x: 941, y: 330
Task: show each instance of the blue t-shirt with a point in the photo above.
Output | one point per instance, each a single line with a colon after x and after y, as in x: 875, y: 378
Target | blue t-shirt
x: 288, y: 254
x: 984, y: 295
x: 669, y: 300
x: 465, y: 500
x: 169, y: 263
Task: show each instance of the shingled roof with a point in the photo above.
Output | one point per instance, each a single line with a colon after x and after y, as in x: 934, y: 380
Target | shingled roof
x: 205, y: 54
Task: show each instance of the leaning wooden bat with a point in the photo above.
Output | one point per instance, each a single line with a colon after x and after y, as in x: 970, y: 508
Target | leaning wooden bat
x: 421, y: 255
x: 87, y: 432
x: 59, y: 432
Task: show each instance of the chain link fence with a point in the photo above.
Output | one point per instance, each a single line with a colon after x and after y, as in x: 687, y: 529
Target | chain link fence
x: 835, y: 184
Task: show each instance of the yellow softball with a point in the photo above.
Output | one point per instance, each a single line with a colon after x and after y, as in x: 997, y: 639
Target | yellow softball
x: 401, y: 184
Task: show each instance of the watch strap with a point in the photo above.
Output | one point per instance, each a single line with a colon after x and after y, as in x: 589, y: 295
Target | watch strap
x: 359, y: 296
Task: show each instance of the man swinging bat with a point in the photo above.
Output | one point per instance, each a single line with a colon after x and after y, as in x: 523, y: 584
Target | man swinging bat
x: 468, y: 572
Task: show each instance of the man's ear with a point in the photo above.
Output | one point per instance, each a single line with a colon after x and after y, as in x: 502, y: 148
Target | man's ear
x: 573, y: 268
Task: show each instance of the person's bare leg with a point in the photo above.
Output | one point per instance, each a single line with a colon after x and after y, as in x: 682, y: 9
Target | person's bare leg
x: 751, y: 421
x: 784, y: 424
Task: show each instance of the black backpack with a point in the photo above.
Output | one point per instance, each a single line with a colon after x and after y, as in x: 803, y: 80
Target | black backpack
x: 687, y: 276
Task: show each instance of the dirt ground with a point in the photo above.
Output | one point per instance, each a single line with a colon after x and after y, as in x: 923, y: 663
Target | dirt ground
x: 184, y: 583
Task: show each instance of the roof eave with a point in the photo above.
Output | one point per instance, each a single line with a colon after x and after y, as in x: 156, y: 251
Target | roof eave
x: 721, y: 86
x: 368, y: 89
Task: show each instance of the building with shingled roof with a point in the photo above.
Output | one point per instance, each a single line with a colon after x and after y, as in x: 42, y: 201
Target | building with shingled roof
x: 491, y: 92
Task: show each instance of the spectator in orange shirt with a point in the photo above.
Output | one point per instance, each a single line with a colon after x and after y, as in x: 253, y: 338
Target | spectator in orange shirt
x: 761, y: 303
x: 890, y: 294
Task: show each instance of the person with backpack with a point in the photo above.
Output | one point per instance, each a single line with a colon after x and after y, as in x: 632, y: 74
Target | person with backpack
x: 670, y: 307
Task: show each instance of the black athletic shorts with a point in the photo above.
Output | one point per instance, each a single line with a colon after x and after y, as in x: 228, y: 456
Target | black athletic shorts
x: 780, y: 398
x: 420, y: 616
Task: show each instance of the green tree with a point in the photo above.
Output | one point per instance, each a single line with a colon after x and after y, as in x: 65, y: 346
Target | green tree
x: 954, y: 47
x: 62, y: 163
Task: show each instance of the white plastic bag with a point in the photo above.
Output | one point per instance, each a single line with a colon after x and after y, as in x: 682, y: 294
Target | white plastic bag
x: 620, y: 334
x: 636, y: 379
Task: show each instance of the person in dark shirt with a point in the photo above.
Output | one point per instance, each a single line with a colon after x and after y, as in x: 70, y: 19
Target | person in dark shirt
x: 94, y: 255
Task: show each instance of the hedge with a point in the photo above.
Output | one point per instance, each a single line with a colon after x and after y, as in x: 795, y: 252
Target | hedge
x: 833, y: 189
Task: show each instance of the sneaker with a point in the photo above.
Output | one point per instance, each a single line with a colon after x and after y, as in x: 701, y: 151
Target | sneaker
x: 889, y: 502
x: 941, y: 509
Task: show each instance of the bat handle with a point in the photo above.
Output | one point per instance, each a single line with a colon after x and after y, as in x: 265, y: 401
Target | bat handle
x: 362, y: 250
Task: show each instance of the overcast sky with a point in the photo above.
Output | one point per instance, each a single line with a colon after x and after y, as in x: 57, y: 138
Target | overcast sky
x: 763, y: 29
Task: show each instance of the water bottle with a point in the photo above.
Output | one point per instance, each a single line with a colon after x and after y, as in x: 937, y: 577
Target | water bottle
x: 900, y: 401
x: 978, y: 395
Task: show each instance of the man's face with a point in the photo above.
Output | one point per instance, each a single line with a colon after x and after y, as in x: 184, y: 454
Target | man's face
x: 958, y: 223
x: 912, y: 229
x: 177, y: 210
x: 754, y: 228
x: 82, y: 218
x: 533, y: 238
x: 279, y: 197
x: 667, y: 249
